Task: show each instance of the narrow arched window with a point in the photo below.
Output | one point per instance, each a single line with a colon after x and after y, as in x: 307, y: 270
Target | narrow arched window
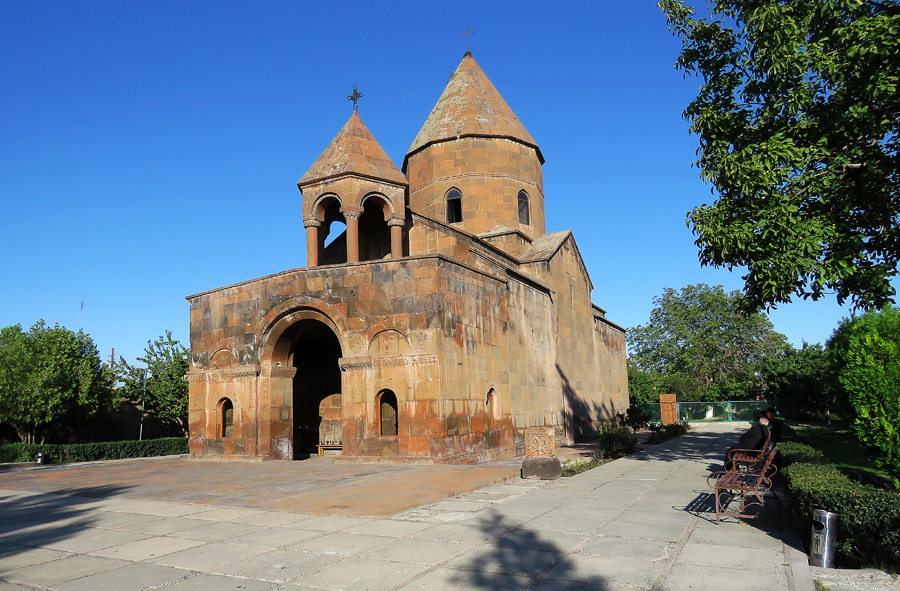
x: 489, y: 404
x: 454, y: 206
x: 387, y: 413
x: 524, y: 213
x: 226, y: 418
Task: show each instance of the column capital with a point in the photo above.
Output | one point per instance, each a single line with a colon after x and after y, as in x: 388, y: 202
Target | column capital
x: 352, y: 212
x: 396, y: 222
x: 313, y: 223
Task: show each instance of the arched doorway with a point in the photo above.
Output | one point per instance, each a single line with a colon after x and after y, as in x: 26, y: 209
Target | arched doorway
x: 316, y: 391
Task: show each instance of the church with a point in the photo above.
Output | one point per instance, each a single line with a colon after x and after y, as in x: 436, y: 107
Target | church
x: 435, y: 328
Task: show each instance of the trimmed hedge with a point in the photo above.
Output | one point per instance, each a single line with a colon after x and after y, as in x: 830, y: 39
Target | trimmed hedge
x: 792, y: 452
x: 868, y: 518
x: 89, y: 452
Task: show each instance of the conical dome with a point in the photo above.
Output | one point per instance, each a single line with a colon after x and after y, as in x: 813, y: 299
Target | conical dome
x: 353, y: 151
x: 470, y: 106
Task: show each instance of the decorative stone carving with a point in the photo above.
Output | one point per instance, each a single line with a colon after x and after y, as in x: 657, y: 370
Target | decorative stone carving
x: 356, y: 342
x: 200, y: 359
x: 247, y: 355
x: 312, y: 223
x: 539, y: 442
x: 355, y: 364
x: 396, y: 222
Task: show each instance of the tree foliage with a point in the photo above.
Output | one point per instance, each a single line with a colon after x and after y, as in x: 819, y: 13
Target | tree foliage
x: 165, y: 392
x: 800, y: 378
x: 49, y: 375
x: 701, y: 345
x: 865, y: 352
x: 798, y: 116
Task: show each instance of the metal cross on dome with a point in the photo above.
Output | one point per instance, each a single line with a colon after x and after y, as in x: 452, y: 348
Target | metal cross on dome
x: 355, y: 98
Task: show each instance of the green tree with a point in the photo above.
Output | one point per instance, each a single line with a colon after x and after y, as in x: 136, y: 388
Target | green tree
x: 801, y: 378
x: 643, y: 386
x: 49, y: 375
x: 798, y: 116
x: 865, y: 352
x: 165, y: 392
x: 702, y: 344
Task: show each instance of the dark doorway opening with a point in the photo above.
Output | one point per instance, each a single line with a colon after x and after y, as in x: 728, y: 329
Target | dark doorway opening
x: 316, y: 389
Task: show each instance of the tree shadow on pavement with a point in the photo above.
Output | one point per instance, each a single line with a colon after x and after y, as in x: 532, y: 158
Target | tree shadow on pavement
x: 519, y: 557
x: 28, y: 521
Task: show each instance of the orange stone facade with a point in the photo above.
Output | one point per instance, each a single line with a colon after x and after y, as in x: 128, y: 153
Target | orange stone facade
x: 411, y: 336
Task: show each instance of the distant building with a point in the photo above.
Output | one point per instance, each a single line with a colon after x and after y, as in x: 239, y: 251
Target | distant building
x: 436, y: 328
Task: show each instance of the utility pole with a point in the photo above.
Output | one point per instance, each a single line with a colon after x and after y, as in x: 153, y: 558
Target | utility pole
x: 141, y: 432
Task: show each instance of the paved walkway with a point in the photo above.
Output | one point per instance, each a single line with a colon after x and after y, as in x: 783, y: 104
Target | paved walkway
x: 636, y: 523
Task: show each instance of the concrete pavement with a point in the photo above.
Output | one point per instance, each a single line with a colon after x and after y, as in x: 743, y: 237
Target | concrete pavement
x: 641, y: 522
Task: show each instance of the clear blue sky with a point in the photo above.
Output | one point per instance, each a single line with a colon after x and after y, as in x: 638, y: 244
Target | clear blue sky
x: 150, y: 150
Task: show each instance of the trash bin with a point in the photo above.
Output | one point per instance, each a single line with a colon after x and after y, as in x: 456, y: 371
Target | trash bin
x: 39, y: 458
x: 821, y: 545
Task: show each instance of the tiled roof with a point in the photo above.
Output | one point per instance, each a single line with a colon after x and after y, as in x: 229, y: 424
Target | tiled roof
x: 471, y: 106
x: 353, y: 150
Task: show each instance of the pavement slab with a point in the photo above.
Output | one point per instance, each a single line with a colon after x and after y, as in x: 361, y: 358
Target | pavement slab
x: 640, y: 522
x: 363, y: 574
x: 70, y: 567
x: 131, y: 577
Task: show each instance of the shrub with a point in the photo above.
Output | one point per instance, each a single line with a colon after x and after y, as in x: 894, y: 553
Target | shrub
x: 868, y: 518
x: 662, y: 432
x: 792, y: 452
x: 88, y: 452
x: 635, y: 417
x: 616, y: 441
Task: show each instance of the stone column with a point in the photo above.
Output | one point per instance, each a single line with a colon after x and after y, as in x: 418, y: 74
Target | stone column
x: 312, y: 242
x: 396, y: 226
x: 351, y: 216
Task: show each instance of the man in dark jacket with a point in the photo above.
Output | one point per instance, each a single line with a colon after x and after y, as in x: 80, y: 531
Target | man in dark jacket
x: 754, y: 438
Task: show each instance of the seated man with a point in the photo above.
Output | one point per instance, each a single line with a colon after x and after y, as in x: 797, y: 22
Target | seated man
x: 754, y: 438
x: 776, y: 425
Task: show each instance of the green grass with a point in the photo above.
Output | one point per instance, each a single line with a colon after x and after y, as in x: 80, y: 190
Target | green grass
x: 577, y: 466
x: 840, y: 445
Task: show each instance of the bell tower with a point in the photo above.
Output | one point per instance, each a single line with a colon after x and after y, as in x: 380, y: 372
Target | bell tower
x: 354, y: 182
x: 473, y: 164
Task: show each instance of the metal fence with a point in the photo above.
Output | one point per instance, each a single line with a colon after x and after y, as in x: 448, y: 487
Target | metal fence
x: 728, y: 410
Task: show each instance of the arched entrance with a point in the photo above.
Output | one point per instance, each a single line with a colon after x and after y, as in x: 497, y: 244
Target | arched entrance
x: 316, y: 390
x: 304, y: 383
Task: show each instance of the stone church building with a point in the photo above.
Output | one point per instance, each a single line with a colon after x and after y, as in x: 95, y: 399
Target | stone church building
x: 438, y: 326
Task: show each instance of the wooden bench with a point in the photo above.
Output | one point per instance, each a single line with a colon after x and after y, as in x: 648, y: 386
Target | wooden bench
x: 748, y: 458
x: 749, y: 481
x: 328, y: 446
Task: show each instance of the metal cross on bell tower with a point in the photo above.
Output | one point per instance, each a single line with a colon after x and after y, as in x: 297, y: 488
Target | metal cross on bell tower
x: 355, y: 98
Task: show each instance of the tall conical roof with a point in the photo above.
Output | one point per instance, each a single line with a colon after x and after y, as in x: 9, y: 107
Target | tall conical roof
x: 354, y: 150
x: 470, y: 106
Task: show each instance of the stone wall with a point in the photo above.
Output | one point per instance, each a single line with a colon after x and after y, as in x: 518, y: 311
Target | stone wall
x: 489, y: 172
x: 473, y: 357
